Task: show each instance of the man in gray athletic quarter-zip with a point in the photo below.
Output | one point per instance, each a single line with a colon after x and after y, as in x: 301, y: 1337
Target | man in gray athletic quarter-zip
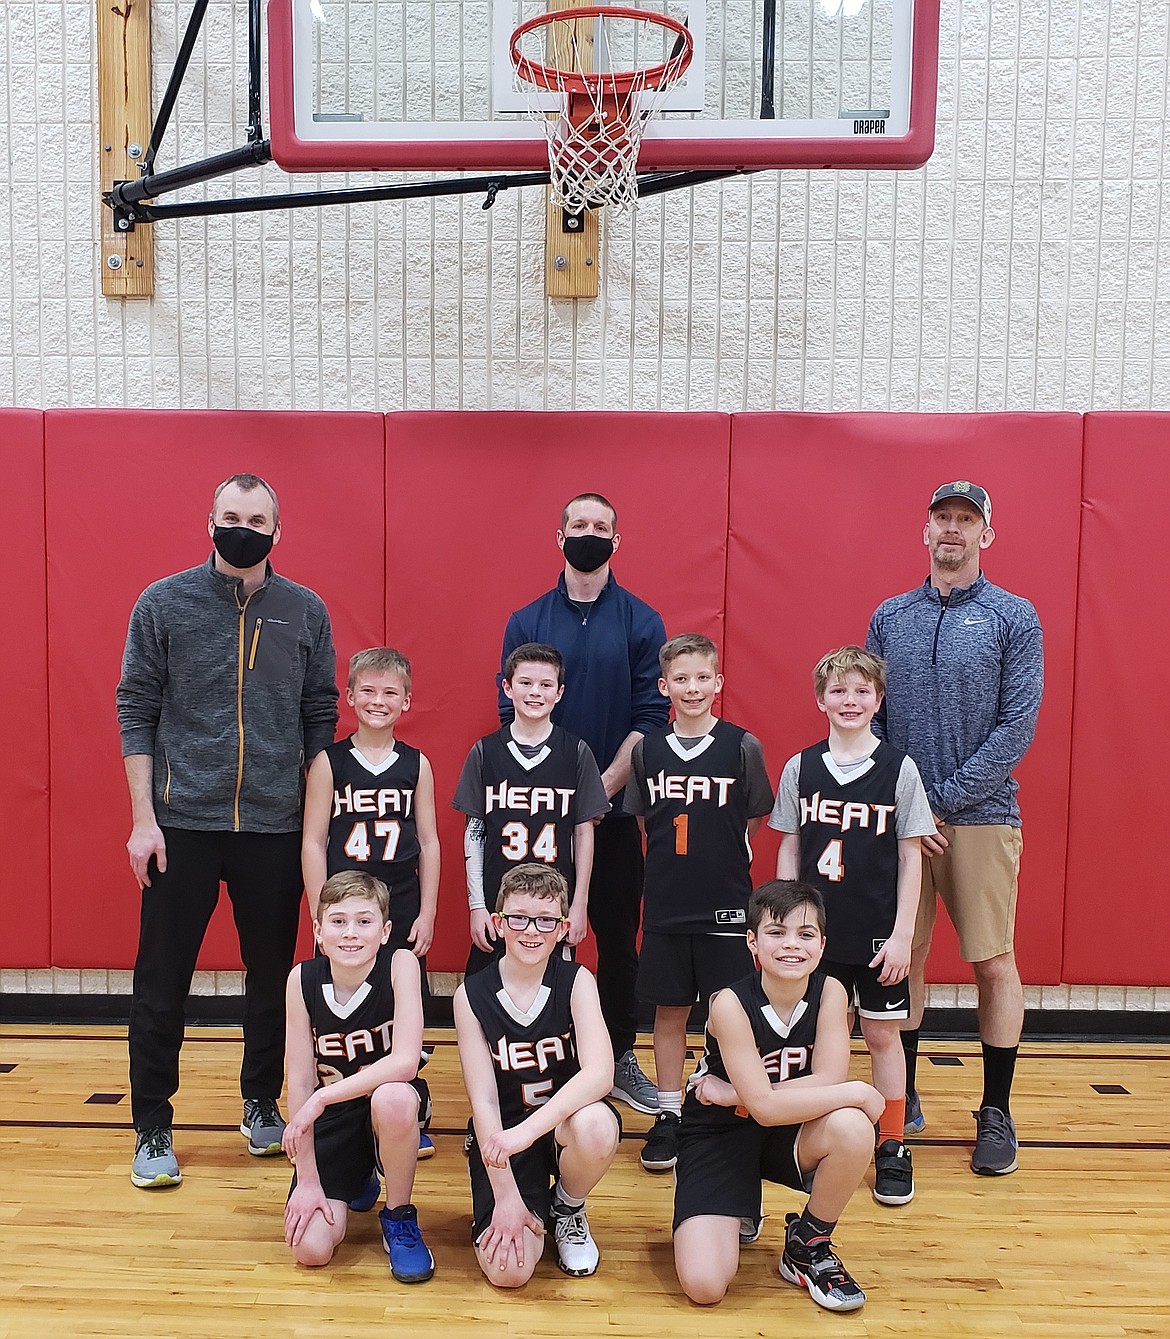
x: 228, y: 689
x: 965, y: 666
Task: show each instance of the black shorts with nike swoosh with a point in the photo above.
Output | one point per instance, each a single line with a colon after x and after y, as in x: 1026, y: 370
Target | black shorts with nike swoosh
x: 866, y: 993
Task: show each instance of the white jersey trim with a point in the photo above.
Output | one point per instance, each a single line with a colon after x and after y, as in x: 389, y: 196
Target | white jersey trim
x: 528, y: 763
x: 374, y: 768
x: 509, y: 1005
x: 351, y: 1005
x: 684, y: 753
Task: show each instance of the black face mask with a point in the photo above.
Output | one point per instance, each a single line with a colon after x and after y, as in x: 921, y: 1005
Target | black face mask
x: 586, y: 553
x: 241, y: 547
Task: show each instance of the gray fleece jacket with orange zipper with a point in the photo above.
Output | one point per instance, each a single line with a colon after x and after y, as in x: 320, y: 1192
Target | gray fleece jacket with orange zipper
x: 230, y: 695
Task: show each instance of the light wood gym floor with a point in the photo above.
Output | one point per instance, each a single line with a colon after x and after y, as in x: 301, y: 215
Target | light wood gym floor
x: 1076, y: 1243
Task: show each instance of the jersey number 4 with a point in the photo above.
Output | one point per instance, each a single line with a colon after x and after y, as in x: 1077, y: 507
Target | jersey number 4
x: 830, y: 864
x: 357, y: 844
x: 516, y: 838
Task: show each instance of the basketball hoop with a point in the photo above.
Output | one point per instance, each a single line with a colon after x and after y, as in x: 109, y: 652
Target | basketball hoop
x: 593, y: 143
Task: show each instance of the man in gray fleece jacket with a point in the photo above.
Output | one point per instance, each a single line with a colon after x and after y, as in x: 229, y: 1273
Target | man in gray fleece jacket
x: 228, y: 688
x: 965, y: 666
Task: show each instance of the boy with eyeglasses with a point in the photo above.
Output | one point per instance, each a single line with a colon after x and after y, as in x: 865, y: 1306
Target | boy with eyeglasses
x: 538, y: 1064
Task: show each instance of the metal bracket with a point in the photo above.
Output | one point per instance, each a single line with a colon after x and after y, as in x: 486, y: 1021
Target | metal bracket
x: 570, y: 222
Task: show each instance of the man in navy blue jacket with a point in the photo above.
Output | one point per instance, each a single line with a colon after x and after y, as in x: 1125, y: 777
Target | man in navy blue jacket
x: 965, y: 673
x: 610, y: 641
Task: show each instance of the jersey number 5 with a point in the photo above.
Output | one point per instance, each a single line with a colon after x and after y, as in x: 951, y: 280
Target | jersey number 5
x: 357, y: 844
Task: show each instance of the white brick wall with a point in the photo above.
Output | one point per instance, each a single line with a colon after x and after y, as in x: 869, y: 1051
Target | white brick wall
x: 1026, y: 267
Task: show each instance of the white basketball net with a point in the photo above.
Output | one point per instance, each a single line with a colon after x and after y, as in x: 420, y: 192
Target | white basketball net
x: 593, y: 142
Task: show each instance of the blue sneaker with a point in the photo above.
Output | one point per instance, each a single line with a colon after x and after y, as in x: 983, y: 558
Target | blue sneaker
x: 426, y: 1146
x: 915, y: 1120
x: 410, y: 1261
x: 370, y: 1195
x: 154, y: 1162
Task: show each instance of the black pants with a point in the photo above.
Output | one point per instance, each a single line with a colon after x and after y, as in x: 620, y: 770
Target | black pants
x: 262, y: 871
x: 615, y: 910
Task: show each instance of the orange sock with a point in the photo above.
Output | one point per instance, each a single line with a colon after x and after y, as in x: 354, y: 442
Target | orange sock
x: 893, y: 1119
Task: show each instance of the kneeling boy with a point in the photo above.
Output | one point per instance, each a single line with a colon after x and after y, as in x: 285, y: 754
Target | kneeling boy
x: 537, y: 1063
x: 771, y: 1101
x: 354, y: 1034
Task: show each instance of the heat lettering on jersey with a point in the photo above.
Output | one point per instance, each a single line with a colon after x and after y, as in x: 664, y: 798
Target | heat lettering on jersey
x: 529, y: 799
x: 380, y: 800
x: 785, y: 1062
x: 689, y: 788
x: 359, y: 1042
x: 538, y: 1055
x: 845, y: 814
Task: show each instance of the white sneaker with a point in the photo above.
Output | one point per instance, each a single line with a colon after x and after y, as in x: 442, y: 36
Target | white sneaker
x: 577, y: 1252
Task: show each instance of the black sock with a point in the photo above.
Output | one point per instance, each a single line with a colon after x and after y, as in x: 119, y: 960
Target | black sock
x: 808, y: 1226
x: 910, y: 1046
x: 999, y: 1067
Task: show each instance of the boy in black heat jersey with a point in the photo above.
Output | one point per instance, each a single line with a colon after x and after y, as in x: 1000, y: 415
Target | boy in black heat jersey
x: 771, y: 1101
x: 530, y: 792
x: 354, y: 1031
x: 370, y: 803
x: 537, y: 1063
x: 700, y: 789
x: 852, y: 810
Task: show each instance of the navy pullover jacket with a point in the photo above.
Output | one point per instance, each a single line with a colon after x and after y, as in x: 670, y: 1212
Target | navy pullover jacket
x: 611, y: 665
x: 965, y: 679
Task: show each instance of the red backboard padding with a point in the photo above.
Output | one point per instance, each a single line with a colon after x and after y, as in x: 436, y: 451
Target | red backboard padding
x: 128, y: 495
x: 24, y: 776
x: 827, y: 512
x: 1116, y: 862
x: 473, y: 506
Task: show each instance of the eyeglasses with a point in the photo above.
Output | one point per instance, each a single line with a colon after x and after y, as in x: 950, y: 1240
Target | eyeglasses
x: 544, y: 924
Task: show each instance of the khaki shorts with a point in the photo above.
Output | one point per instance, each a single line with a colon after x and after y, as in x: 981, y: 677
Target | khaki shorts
x: 976, y: 877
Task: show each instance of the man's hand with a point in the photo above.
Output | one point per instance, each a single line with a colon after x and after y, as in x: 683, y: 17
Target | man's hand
x: 422, y: 935
x: 146, y: 840
x: 894, y: 959
x: 578, y: 919
x: 936, y: 843
x: 483, y: 929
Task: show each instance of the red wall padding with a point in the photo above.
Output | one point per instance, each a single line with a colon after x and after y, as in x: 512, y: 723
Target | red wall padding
x: 473, y: 506
x: 1117, y: 870
x: 426, y: 530
x: 24, y: 710
x: 827, y: 512
x: 128, y: 496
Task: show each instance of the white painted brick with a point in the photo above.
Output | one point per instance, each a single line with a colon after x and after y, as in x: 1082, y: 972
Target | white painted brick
x: 13, y: 981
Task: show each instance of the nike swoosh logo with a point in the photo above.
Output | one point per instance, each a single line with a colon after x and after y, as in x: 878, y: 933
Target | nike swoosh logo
x: 968, y: 621
x: 897, y: 1004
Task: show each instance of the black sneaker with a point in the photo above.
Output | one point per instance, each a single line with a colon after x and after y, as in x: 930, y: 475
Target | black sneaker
x: 995, y: 1143
x: 660, y: 1152
x: 893, y: 1182
x: 813, y: 1265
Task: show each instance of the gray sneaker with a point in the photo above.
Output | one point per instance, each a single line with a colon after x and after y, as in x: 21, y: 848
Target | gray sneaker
x: 631, y: 1086
x: 995, y: 1143
x: 154, y: 1162
x: 263, y: 1125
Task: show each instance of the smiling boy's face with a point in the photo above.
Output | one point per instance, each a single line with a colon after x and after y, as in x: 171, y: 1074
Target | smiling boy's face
x: 791, y: 948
